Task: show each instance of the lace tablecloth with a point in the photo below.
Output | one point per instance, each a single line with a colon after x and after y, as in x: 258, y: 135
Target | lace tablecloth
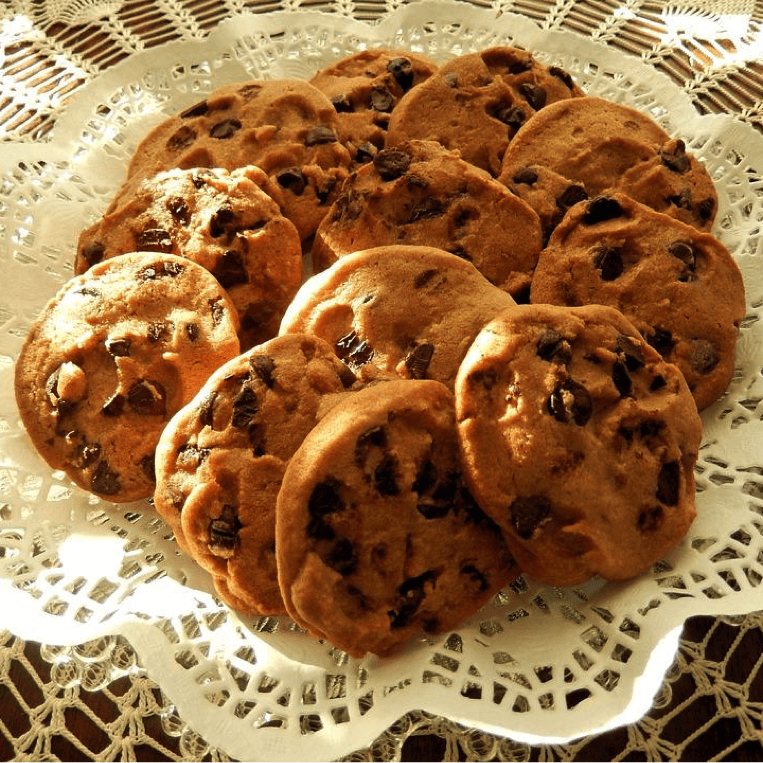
x: 95, y: 700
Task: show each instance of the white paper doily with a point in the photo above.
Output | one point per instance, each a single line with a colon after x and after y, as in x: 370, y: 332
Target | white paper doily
x: 539, y: 664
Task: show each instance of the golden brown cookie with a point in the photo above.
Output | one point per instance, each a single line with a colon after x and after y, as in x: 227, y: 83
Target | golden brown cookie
x: 376, y: 536
x: 222, y: 220
x: 579, y: 440
x: 679, y: 287
x: 112, y: 357
x: 422, y: 193
x: 405, y: 310
x: 221, y: 459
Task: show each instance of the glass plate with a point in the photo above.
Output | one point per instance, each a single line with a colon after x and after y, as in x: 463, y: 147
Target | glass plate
x: 538, y: 664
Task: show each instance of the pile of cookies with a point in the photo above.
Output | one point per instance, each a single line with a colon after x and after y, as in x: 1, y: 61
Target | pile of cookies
x: 378, y: 342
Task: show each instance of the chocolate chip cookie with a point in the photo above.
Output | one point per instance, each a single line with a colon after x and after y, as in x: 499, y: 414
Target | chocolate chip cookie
x: 678, y: 286
x: 421, y: 193
x: 579, y: 440
x: 365, y: 87
x: 286, y: 127
x: 222, y: 220
x: 377, y: 537
x: 406, y: 310
x: 111, y: 358
x: 606, y: 147
x: 220, y: 461
x: 476, y: 103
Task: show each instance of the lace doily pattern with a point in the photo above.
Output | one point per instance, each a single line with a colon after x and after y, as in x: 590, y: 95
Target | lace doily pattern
x: 574, y: 661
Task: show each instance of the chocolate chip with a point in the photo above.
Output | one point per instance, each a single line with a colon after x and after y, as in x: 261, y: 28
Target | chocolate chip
x: 257, y: 439
x: 245, y: 408
x: 341, y: 103
x: 511, y: 115
x: 324, y: 499
x: 105, y: 480
x: 342, y: 557
x: 609, y: 261
x: 372, y: 438
x: 365, y: 152
x: 662, y: 341
x: 527, y: 514
x: 225, y: 129
x: 391, y: 163
x: 160, y: 270
x: 87, y: 453
x: 147, y: 398
x: 650, y: 519
x: 183, y: 138
x: 534, y: 95
x: 426, y: 478
x: 552, y: 346
x: 451, y: 80
x: 148, y: 467
x: 320, y: 135
x: 353, y: 350
x: 526, y: 176
x: 686, y: 254
x: 192, y: 331
x: 669, y: 483
x: 600, y: 209
x: 114, y: 405
x: 263, y: 366
x: 293, y: 179
x: 705, y: 209
x: 631, y: 351
x: 682, y: 200
x: 191, y: 456
x: 622, y: 379
x: 410, y: 594
x: 197, y: 110
x: 230, y: 269
x: 704, y: 356
x: 385, y: 475
x: 475, y: 576
x: 178, y: 208
x: 207, y: 410
x: 223, y: 532
x: 427, y: 210
x: 657, y: 383
x: 571, y: 195
x: 382, y: 100
x: 93, y: 253
x: 486, y: 379
x: 424, y: 277
x: 402, y: 70
x: 570, y: 401
x: 217, y: 311
x: 563, y: 75
x: 673, y: 156
x: 418, y: 359
x: 154, y: 240
x: 221, y: 221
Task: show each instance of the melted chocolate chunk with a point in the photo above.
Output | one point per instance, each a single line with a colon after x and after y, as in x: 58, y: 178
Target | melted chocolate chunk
x: 182, y: 139
x: 525, y: 176
x: 552, y: 346
x: 382, y: 100
x: 402, y: 70
x: 570, y: 402
x: 147, y: 398
x: 410, y: 594
x: 93, y: 253
x: 105, y: 480
x: 225, y: 129
x: 245, y: 408
x: 601, y: 209
x: 223, y: 532
x: 320, y: 135
x: 353, y: 350
x: 118, y: 348
x: 535, y: 95
x: 418, y: 359
x: 179, y: 210
x: 662, y: 341
x: 391, y: 163
x: 154, y: 240
x: 527, y: 514
x: 197, y: 110
x: 263, y: 366
x: 669, y: 483
x: 293, y: 179
x: 385, y: 476
x: 231, y: 269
